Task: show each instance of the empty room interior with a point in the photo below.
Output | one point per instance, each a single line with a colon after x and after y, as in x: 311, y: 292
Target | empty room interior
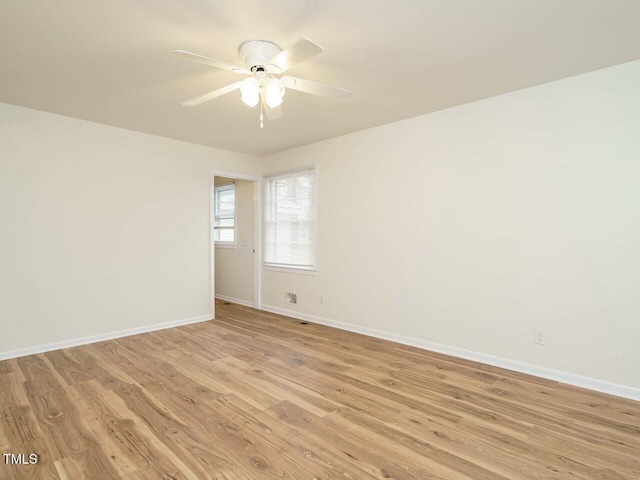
x: 320, y: 239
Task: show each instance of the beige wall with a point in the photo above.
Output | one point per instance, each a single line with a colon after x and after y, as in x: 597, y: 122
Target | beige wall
x: 467, y: 227
x: 234, y: 266
x: 472, y: 226
x: 102, y: 229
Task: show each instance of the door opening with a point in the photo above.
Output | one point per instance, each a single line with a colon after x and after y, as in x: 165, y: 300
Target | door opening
x: 234, y: 239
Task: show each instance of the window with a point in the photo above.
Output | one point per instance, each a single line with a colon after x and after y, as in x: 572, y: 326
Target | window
x: 224, y: 212
x: 290, y: 220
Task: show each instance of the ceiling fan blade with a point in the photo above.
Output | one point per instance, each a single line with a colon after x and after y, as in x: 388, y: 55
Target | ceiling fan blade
x: 211, y: 95
x: 212, y: 62
x: 300, y: 51
x: 273, y: 113
x: 315, y: 88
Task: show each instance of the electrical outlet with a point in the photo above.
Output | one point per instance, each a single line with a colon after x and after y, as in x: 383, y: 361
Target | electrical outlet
x: 291, y: 298
x: 539, y: 336
x: 321, y: 300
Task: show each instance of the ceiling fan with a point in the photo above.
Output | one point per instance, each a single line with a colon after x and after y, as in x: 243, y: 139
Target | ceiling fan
x: 265, y: 61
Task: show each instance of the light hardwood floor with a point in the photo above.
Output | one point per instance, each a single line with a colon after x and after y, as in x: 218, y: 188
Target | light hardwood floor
x: 253, y: 395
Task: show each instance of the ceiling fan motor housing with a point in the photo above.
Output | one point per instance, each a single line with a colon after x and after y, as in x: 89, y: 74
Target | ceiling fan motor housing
x: 256, y: 53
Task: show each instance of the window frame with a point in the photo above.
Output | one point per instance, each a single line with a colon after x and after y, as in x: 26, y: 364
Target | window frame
x: 225, y: 243
x: 282, y: 267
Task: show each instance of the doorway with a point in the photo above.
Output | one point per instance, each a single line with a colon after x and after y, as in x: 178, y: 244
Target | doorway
x: 234, y: 239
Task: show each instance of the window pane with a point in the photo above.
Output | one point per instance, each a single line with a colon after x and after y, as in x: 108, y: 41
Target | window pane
x: 226, y: 222
x: 226, y: 234
x: 290, y: 219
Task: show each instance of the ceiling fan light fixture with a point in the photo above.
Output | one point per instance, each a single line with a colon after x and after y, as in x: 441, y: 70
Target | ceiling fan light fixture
x: 250, y: 90
x: 273, y: 92
x: 262, y: 61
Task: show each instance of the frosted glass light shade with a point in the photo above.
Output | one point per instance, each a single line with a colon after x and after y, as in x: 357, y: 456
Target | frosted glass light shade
x: 274, y: 91
x: 250, y: 90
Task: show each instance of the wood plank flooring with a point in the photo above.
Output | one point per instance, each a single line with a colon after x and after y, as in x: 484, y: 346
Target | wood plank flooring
x: 254, y: 395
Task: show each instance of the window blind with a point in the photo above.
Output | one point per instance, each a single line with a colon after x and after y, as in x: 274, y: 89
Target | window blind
x: 224, y: 210
x: 290, y: 219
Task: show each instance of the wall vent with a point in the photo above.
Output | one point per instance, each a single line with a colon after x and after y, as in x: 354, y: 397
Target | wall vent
x: 291, y: 298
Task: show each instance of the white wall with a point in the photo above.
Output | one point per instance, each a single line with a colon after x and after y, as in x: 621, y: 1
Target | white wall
x: 466, y: 227
x: 472, y: 226
x: 101, y: 229
x: 234, y: 266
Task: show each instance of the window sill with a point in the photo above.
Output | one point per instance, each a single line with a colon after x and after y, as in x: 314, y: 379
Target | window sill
x: 228, y: 246
x: 299, y: 271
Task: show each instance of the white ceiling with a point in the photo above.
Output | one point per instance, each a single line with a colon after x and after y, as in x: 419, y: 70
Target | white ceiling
x: 106, y: 61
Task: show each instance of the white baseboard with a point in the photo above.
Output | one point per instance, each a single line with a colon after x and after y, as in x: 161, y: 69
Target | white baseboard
x: 521, y: 367
x: 235, y: 300
x: 100, y: 337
